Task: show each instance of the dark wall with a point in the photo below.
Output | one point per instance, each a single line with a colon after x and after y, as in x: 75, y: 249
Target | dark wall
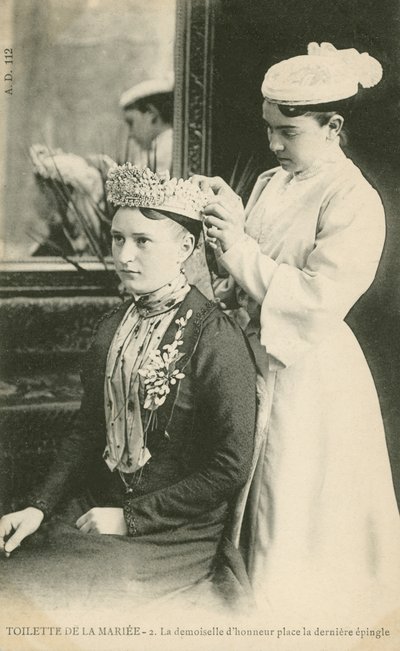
x: 253, y: 35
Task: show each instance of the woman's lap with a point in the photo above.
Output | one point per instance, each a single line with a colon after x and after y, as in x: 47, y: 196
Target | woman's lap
x: 62, y: 567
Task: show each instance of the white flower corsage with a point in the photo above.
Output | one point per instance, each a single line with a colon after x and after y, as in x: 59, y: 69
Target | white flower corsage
x: 161, y: 371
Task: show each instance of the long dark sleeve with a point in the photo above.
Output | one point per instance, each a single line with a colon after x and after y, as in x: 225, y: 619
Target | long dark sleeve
x: 71, y: 459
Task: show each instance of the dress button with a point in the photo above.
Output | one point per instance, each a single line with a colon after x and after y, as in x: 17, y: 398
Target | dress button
x: 131, y: 405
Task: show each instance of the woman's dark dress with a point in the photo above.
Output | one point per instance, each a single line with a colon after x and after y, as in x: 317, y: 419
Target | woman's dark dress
x: 176, y: 514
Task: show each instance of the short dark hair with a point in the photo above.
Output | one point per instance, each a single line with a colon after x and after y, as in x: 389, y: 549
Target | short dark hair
x: 193, y: 226
x: 321, y: 112
x: 163, y: 102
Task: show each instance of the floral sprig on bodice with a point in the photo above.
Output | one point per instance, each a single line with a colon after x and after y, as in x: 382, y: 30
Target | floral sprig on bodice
x: 161, y: 371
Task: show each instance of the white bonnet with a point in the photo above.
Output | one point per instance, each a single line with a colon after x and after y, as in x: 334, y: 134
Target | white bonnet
x: 323, y: 75
x: 146, y: 89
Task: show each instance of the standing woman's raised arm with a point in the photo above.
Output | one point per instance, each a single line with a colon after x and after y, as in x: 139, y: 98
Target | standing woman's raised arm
x: 301, y: 304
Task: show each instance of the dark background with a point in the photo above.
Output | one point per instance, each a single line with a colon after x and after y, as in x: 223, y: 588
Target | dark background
x: 250, y: 37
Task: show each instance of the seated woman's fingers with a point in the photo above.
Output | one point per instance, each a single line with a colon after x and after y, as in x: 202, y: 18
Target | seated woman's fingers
x: 5, y: 530
x: 82, y: 520
x: 102, y: 520
x: 88, y: 527
x: 21, y: 530
x: 14, y: 541
x: 87, y: 523
x: 16, y: 526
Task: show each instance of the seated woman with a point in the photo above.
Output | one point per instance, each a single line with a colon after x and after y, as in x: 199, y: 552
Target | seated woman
x: 165, y: 434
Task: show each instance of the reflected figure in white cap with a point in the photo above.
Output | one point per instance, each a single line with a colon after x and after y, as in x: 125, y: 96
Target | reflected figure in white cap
x: 148, y: 112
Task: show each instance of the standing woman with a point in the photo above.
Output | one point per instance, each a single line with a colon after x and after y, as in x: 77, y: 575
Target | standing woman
x: 323, y: 531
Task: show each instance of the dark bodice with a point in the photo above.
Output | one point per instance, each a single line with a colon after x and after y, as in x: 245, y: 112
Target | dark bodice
x: 202, y: 445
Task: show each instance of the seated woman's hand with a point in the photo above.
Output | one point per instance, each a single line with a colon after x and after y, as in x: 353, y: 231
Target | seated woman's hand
x: 14, y: 527
x: 108, y: 520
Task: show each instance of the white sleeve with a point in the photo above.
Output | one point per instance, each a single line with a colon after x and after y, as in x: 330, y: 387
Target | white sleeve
x: 255, y: 284
x: 251, y: 269
x: 300, y: 306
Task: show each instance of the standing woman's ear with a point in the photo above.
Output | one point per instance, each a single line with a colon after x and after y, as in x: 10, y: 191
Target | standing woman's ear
x: 335, y: 126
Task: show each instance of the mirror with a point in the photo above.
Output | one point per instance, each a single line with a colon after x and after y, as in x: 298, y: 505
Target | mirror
x: 79, y: 112
x: 76, y: 104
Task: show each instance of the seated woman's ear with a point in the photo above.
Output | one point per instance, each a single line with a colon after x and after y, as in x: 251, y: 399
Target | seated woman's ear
x: 187, y: 246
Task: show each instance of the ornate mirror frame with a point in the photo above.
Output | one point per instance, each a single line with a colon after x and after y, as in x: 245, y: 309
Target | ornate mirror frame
x: 51, y: 276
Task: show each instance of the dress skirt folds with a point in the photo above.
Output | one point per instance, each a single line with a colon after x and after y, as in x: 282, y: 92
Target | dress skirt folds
x: 324, y: 539
x: 60, y: 569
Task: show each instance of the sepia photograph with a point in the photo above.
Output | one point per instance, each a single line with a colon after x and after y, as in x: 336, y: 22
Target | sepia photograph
x: 200, y: 325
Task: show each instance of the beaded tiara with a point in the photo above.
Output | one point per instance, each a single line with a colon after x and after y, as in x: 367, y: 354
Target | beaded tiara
x: 134, y: 187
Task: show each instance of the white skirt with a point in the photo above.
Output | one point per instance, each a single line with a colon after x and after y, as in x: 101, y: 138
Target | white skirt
x: 323, y: 520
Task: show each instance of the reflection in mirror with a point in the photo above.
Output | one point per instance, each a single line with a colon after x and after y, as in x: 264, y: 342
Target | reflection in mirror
x: 92, y: 84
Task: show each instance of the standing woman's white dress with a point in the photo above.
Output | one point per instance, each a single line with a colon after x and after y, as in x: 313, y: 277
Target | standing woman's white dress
x: 325, y: 533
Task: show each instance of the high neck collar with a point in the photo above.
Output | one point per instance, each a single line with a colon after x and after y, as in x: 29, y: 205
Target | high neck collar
x: 333, y: 154
x: 163, y: 299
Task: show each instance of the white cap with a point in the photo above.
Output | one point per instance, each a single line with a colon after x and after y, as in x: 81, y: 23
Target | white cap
x: 323, y: 75
x: 146, y: 89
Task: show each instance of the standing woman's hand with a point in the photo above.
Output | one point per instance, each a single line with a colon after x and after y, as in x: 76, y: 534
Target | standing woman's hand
x: 14, y: 527
x: 224, y: 216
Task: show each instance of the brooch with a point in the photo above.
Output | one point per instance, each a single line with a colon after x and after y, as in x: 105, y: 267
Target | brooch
x: 161, y: 372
